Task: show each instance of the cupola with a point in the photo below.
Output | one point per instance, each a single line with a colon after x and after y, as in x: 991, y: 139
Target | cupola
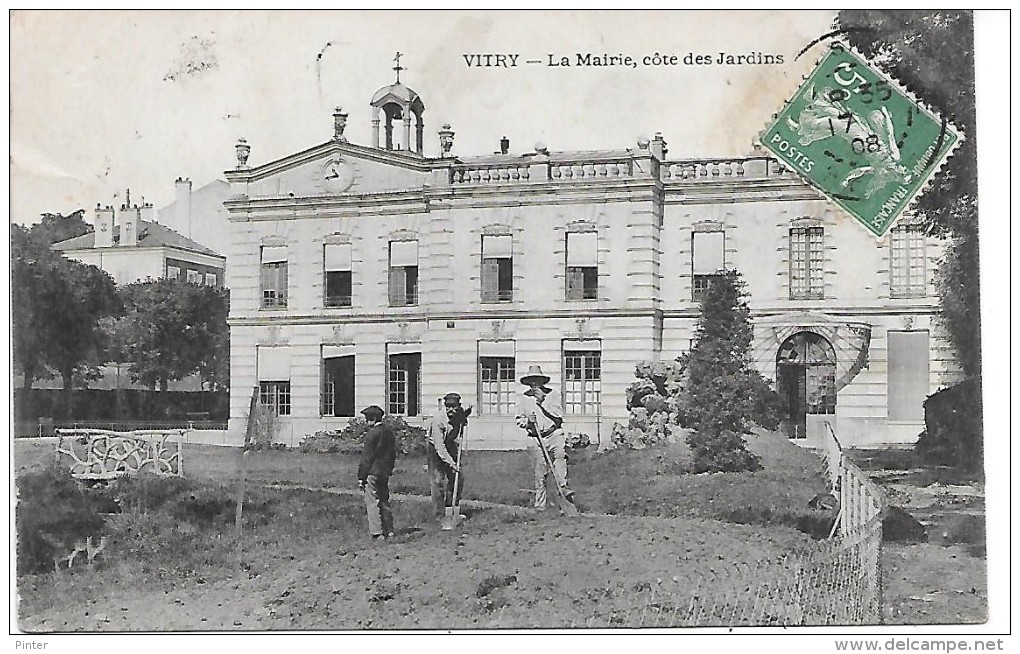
x: 397, y: 104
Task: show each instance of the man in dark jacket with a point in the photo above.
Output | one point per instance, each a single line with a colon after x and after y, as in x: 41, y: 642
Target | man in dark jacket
x: 374, y: 472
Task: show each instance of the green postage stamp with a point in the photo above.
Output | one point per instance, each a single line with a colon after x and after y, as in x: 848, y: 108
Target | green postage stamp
x: 852, y: 133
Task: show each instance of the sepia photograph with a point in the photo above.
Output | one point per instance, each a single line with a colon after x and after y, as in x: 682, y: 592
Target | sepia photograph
x: 562, y: 322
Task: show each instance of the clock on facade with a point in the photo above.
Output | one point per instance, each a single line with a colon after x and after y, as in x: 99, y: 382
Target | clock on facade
x: 337, y: 175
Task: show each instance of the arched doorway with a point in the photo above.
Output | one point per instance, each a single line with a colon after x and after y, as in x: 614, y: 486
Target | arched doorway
x: 806, y: 377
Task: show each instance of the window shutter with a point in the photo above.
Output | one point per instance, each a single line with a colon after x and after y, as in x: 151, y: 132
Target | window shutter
x: 338, y: 257
x: 708, y: 252
x: 403, y: 253
x: 274, y: 363
x: 582, y: 249
x: 397, y: 281
x: 490, y: 279
x: 575, y: 283
x: 274, y: 254
x: 497, y: 246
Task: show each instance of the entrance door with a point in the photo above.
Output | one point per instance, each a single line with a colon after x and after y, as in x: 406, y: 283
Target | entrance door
x: 793, y: 382
x: 338, y: 390
x: 404, y: 384
x: 806, y: 373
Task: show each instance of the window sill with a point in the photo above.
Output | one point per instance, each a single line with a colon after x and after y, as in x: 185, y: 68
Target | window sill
x: 273, y: 308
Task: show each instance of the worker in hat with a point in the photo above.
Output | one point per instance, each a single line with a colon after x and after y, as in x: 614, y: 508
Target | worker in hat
x: 445, y: 433
x: 540, y: 412
x: 378, y: 455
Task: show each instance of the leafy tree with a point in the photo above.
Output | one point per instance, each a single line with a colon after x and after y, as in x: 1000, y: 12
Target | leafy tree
x: 87, y: 294
x: 35, y: 284
x: 172, y: 329
x: 721, y: 395
x: 55, y: 227
x: 932, y: 53
x: 57, y: 304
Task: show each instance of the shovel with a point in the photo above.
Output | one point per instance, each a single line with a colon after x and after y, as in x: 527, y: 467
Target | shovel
x: 455, y: 518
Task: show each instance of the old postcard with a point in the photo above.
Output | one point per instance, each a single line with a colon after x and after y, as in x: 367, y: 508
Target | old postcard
x: 480, y: 320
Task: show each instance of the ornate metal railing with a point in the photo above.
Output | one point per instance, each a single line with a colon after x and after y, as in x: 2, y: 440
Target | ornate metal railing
x: 103, y: 454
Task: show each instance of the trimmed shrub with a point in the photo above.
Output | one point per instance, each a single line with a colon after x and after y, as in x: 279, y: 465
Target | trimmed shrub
x: 410, y: 439
x: 953, y: 434
x: 52, y: 515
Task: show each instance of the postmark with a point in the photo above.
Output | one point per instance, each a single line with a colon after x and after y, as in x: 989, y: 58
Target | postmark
x: 858, y: 137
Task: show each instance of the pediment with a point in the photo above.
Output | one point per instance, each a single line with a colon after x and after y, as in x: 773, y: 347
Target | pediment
x: 335, y: 169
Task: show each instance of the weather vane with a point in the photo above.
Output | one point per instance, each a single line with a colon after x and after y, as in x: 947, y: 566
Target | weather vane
x: 398, y: 67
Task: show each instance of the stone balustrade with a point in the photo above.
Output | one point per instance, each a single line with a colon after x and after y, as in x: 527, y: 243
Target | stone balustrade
x: 686, y: 170
x: 601, y: 169
x: 708, y: 169
x: 490, y: 174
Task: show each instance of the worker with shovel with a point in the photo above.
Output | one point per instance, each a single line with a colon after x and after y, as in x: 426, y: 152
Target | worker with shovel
x: 445, y: 447
x: 540, y: 413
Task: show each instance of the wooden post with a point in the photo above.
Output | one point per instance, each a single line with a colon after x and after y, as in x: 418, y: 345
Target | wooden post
x: 249, y: 432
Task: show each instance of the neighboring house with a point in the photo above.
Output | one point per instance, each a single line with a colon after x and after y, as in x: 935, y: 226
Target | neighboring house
x: 198, y: 215
x: 376, y: 275
x: 130, y: 246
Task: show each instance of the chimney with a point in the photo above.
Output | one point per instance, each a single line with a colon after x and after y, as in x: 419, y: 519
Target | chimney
x: 658, y: 147
x: 147, y: 214
x: 182, y: 207
x: 104, y: 227
x: 128, y: 225
x: 504, y: 145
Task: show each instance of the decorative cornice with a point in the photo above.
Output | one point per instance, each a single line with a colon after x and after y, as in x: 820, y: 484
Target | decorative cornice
x: 399, y: 158
x: 388, y: 318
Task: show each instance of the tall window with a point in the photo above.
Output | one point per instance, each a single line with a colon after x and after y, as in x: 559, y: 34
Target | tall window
x: 337, y: 269
x: 908, y: 261
x: 582, y: 381
x: 194, y: 277
x: 582, y: 266
x: 806, y: 263
x: 274, y: 277
x: 403, y: 388
x: 403, y: 273
x: 274, y: 378
x: 908, y: 381
x: 337, y: 383
x: 498, y: 384
x: 276, y: 394
x: 210, y: 279
x: 497, y: 268
x: 173, y: 272
x: 707, y: 260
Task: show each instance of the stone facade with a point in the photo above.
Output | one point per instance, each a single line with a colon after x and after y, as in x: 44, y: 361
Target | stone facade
x: 603, y: 274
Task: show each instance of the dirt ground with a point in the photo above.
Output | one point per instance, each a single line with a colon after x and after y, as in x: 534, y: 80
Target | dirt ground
x: 548, y: 571
x: 943, y: 580
x: 312, y: 567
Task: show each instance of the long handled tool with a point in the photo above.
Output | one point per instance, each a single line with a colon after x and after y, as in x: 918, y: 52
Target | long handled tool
x: 566, y: 505
x: 456, y: 477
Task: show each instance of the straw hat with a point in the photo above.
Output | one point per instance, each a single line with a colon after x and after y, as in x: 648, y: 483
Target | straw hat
x: 535, y: 376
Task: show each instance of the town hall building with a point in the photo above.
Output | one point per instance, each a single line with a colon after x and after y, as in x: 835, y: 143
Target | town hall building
x: 382, y: 274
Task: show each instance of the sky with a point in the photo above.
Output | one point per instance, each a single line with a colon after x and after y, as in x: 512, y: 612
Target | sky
x: 103, y: 101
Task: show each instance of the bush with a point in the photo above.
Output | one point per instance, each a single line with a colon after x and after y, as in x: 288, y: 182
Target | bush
x: 953, y: 434
x: 52, y: 515
x: 182, y: 499
x: 410, y: 439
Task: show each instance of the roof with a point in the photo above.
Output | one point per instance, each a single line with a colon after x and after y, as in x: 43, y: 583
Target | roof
x: 150, y: 235
x: 398, y: 90
x: 567, y: 155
